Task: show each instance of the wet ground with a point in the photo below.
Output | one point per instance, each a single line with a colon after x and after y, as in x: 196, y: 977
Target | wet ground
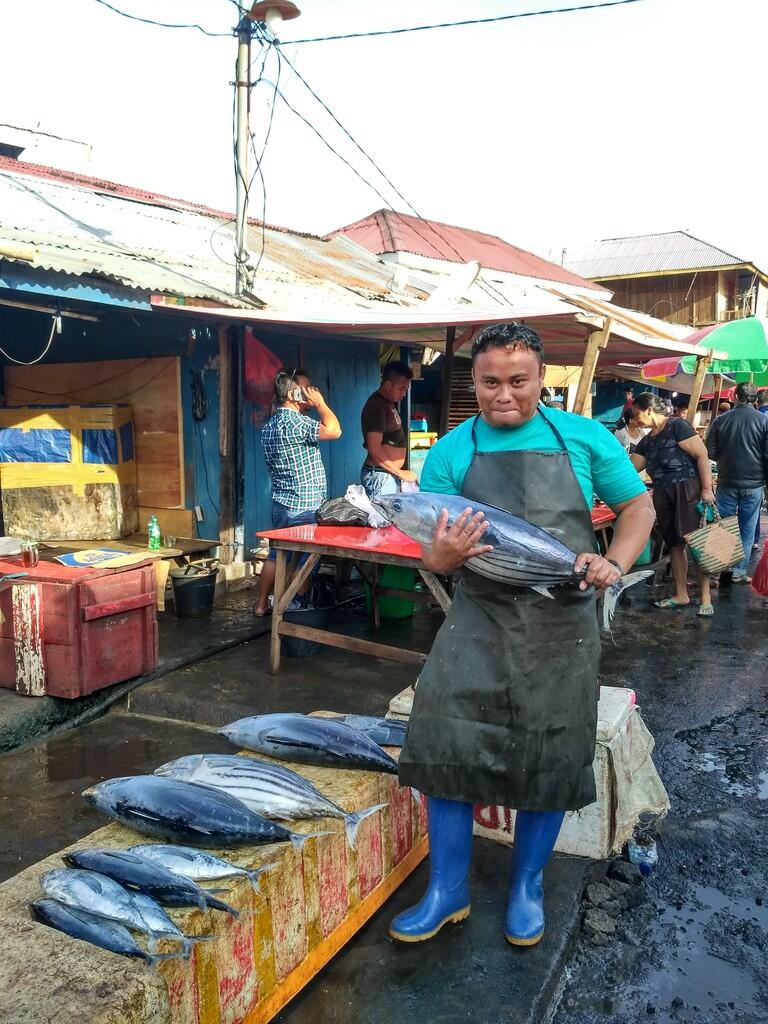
x: 694, y: 950
x: 697, y: 950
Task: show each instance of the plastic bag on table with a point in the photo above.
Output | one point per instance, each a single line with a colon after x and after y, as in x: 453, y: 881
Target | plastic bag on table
x: 340, y: 512
x: 356, y: 496
x: 760, y: 575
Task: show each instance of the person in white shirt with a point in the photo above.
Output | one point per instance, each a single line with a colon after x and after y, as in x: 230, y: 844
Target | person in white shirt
x: 630, y: 435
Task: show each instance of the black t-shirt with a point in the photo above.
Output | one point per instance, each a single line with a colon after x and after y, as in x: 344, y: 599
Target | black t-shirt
x: 667, y: 463
x: 381, y: 417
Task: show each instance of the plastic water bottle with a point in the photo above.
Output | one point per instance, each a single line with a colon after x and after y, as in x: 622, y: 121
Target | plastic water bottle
x: 643, y: 853
x: 153, y: 534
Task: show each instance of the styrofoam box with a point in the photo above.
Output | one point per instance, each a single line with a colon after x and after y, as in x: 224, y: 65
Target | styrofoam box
x: 587, y: 832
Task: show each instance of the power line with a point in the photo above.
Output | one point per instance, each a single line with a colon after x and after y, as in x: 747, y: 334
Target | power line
x: 467, y: 21
x: 388, y: 180
x: 162, y: 24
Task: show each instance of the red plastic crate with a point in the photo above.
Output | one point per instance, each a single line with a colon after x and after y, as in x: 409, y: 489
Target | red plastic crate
x: 66, y: 632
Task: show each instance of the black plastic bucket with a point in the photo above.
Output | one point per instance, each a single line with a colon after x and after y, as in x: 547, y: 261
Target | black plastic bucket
x: 319, y: 618
x: 193, y: 593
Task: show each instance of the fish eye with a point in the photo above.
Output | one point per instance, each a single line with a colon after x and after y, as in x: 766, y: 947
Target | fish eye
x: 397, y: 505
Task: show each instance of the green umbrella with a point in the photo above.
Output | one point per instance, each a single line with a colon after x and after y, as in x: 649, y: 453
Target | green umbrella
x: 745, y: 343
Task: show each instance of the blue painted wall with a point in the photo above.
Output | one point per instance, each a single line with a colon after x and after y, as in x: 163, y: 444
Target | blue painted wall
x: 201, y: 437
x: 347, y: 373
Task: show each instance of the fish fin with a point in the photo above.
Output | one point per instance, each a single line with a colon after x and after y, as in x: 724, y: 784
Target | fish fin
x: 211, y: 903
x: 614, y: 592
x: 353, y: 820
x: 154, y: 959
x: 151, y: 942
x: 299, y: 838
x: 544, y: 591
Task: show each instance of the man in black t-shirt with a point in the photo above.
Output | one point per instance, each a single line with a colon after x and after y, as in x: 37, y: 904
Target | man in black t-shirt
x: 384, y: 435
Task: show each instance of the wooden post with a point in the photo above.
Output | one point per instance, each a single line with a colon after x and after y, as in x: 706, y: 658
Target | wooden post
x: 702, y: 363
x: 226, y: 446
x: 597, y: 341
x: 445, y: 398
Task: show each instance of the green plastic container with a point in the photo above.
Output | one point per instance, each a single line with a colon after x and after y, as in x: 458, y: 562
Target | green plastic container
x: 393, y: 607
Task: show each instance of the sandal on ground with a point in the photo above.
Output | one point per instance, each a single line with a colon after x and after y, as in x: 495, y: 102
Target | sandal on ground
x: 705, y: 611
x: 261, y: 615
x: 670, y: 602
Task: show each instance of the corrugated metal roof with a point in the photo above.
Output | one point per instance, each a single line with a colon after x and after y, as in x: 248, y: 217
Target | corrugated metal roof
x: 387, y: 231
x: 155, y: 244
x: 648, y: 254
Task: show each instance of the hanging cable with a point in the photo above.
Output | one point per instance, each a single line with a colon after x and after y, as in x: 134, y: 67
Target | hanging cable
x: 488, y: 289
x: 163, y: 24
x: 55, y: 328
x: 465, y: 22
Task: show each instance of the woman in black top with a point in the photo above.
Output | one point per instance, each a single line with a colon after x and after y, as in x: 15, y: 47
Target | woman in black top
x: 678, y: 464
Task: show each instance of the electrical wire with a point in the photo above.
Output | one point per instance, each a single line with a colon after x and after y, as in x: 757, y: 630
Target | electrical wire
x: 259, y: 158
x: 465, y: 22
x: 55, y: 321
x: 162, y: 24
x: 488, y: 289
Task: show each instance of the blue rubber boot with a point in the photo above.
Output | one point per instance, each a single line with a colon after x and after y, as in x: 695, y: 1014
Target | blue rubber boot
x: 450, y: 852
x: 535, y: 837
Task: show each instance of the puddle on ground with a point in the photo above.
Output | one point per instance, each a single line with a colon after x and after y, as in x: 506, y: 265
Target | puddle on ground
x: 736, y: 776
x: 702, y: 976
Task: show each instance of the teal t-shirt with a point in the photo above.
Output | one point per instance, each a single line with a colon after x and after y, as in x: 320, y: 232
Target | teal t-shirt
x: 601, y: 465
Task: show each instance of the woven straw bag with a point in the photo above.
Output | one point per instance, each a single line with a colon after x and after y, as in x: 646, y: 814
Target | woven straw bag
x: 716, y: 546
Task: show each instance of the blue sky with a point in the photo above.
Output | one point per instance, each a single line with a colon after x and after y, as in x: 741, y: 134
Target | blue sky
x: 549, y: 131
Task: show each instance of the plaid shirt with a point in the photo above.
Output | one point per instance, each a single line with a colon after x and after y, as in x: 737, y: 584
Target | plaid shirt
x: 293, y: 458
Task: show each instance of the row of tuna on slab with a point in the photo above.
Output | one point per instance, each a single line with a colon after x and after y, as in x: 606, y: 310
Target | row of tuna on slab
x: 205, y: 801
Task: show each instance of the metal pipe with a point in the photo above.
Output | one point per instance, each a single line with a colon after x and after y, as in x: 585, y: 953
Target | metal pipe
x: 242, y: 125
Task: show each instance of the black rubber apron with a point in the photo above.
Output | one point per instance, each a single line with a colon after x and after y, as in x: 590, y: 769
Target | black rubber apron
x: 505, y: 710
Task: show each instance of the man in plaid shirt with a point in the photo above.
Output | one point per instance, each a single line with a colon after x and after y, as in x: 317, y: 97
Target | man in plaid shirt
x: 291, y: 441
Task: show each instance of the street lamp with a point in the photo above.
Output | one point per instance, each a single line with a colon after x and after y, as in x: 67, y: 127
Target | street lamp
x: 272, y: 14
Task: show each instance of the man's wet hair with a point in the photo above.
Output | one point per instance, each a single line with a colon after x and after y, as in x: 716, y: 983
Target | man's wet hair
x: 746, y: 393
x: 513, y: 334
x: 647, y: 400
x: 396, y: 369
x: 286, y: 380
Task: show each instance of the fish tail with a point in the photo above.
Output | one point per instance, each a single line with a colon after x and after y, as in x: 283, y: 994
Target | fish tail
x: 190, y: 941
x: 614, y: 592
x: 255, y: 873
x: 153, y: 959
x: 299, y: 838
x: 353, y: 820
x: 213, y: 904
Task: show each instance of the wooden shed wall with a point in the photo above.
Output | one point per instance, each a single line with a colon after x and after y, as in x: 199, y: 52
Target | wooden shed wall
x: 677, y: 298
x: 150, y: 386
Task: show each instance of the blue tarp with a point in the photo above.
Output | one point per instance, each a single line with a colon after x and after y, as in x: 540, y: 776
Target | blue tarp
x: 126, y: 441
x: 100, y: 447
x: 36, y: 445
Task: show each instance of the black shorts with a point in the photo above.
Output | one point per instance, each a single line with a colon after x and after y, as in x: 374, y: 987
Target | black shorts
x: 676, y: 513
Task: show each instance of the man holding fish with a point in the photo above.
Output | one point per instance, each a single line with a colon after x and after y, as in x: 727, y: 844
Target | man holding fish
x: 505, y: 710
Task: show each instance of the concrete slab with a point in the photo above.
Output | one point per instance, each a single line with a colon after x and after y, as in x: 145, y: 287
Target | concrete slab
x: 182, y: 642
x: 466, y: 973
x: 239, y: 682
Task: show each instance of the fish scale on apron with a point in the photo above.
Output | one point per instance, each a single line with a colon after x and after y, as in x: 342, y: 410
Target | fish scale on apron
x: 505, y: 711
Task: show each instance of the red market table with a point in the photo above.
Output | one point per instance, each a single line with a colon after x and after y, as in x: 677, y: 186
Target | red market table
x: 360, y: 544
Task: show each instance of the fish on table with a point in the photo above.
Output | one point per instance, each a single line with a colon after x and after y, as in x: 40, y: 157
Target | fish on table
x: 109, y: 935
x: 198, y: 865
x: 268, y: 789
x: 134, y: 872
x: 309, y: 740
x: 387, y: 732
x: 162, y: 927
x: 186, y: 813
x: 522, y: 555
x: 96, y: 894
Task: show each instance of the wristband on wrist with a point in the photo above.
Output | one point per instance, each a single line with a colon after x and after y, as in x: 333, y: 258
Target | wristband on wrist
x: 619, y: 567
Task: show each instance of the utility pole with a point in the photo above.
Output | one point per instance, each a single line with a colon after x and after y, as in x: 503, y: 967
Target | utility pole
x: 271, y: 14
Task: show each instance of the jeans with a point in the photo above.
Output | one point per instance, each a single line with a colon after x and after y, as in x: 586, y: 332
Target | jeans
x: 378, y: 482
x: 744, y: 502
x: 283, y: 517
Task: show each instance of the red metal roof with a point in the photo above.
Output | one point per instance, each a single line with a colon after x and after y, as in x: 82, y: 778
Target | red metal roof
x: 389, y: 231
x: 92, y: 184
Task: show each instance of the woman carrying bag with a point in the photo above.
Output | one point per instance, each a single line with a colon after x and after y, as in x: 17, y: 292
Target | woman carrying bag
x: 677, y: 462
